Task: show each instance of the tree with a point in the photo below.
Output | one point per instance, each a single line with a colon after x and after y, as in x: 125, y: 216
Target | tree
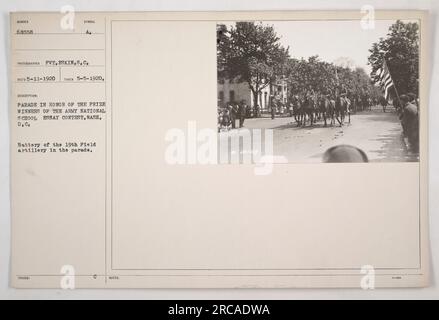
x: 400, y: 48
x: 250, y: 52
x: 321, y: 76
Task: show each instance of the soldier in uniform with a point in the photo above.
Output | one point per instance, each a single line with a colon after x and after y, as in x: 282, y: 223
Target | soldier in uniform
x: 342, y: 92
x: 233, y: 113
x: 242, y: 111
x: 225, y: 118
x: 413, y: 100
x: 310, y: 92
x: 410, y: 122
x: 329, y: 94
x: 273, y: 107
x: 257, y: 111
x: 383, y: 102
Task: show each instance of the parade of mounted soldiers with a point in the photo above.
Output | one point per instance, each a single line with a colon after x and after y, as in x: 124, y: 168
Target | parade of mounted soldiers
x: 259, y: 78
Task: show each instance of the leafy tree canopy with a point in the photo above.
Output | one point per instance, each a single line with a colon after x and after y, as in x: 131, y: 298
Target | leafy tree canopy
x: 252, y: 52
x: 400, y: 49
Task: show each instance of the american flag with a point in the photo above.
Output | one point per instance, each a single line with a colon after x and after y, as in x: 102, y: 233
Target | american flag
x: 384, y: 79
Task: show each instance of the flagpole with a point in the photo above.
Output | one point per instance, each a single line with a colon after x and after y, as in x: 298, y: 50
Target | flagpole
x: 394, y: 84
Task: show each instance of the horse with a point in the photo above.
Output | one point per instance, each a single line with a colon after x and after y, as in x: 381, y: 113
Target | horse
x: 309, y: 104
x: 341, y: 109
x: 367, y: 103
x: 301, y: 110
x: 327, y: 109
x: 356, y: 103
x: 383, y: 103
x: 297, y: 109
x: 370, y: 102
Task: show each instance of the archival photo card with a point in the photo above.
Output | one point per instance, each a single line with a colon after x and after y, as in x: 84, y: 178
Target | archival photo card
x: 219, y: 149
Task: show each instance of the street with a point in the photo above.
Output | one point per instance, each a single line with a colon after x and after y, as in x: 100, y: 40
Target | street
x: 376, y: 133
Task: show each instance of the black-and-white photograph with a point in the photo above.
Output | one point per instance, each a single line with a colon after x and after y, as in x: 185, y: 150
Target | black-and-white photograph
x: 330, y: 91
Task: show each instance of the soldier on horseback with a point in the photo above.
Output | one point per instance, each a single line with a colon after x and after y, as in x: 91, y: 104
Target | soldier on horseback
x: 310, y: 93
x: 342, y: 103
x: 308, y: 102
x: 329, y: 94
x: 343, y: 92
x: 327, y: 105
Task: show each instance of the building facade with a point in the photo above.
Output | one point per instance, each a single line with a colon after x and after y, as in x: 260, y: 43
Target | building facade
x: 235, y: 92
